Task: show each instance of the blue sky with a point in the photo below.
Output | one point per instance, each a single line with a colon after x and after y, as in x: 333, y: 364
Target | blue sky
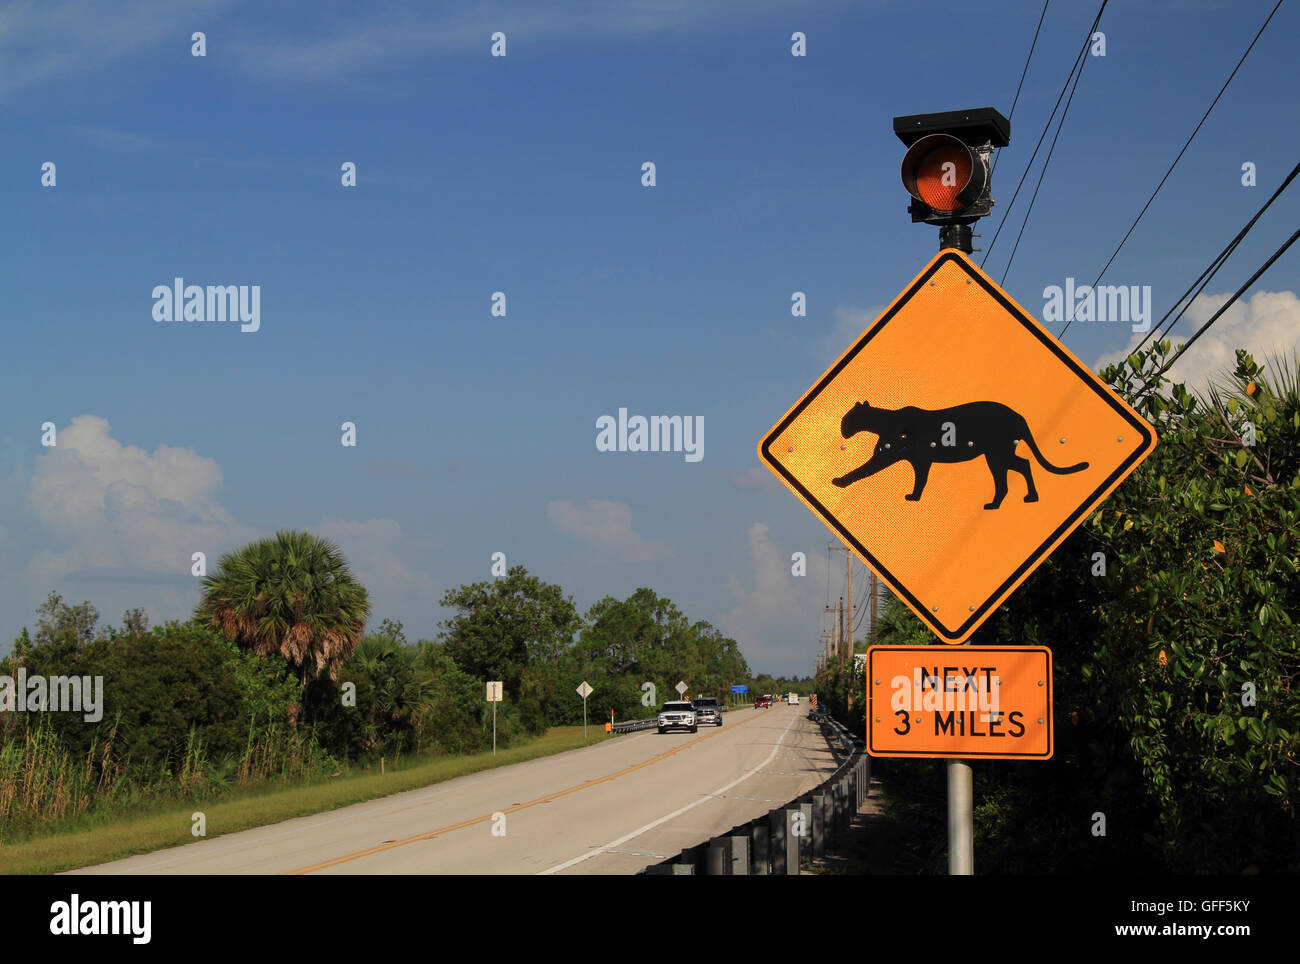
x: 522, y: 174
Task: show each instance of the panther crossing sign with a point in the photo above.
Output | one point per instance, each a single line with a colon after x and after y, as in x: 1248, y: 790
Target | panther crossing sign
x: 955, y: 445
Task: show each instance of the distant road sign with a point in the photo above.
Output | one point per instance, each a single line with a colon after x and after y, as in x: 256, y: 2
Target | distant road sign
x: 955, y: 444
x: 681, y: 688
x: 976, y: 702
x: 740, y: 689
x: 584, y: 690
x: 494, y: 692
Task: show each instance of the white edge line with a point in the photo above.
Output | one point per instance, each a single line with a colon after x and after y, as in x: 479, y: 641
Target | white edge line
x: 596, y: 851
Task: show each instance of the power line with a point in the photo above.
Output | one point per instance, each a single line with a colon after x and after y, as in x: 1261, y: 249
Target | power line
x: 1154, y: 380
x: 1042, y: 173
x: 1032, y: 44
x: 1186, y: 144
x: 1046, y: 127
x: 1208, y: 274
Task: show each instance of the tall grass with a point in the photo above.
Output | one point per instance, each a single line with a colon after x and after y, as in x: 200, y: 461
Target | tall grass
x: 41, y: 781
x: 42, y: 784
x: 279, y: 751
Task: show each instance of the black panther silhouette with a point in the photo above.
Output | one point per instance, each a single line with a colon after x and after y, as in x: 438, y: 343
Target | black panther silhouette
x: 917, y: 435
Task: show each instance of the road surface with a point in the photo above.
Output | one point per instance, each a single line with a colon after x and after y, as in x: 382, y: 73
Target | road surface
x: 611, y: 808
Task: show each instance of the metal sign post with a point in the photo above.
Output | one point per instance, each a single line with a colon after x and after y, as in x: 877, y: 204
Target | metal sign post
x: 494, y: 697
x: 981, y: 702
x: 961, y: 844
x: 584, y: 691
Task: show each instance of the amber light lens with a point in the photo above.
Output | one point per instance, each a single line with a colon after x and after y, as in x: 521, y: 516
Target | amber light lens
x: 941, y: 174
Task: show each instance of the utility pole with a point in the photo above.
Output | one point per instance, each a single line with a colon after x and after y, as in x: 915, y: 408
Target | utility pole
x: 848, y: 560
x: 848, y: 566
x: 839, y: 651
x: 875, y: 592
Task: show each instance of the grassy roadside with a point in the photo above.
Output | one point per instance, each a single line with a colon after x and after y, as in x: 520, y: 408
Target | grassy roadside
x: 103, y: 839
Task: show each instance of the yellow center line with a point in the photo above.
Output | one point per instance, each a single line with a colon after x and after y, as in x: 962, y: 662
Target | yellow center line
x: 430, y: 834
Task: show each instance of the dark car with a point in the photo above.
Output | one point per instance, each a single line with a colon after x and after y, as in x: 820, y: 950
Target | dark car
x: 707, y: 710
x: 762, y: 702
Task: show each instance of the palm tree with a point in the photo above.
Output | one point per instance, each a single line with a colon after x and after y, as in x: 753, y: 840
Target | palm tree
x: 292, y: 594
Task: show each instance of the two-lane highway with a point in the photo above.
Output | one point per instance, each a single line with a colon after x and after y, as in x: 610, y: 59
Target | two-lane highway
x: 611, y: 808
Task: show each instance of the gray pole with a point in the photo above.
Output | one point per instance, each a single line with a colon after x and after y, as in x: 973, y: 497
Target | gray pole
x: 494, y: 727
x: 961, y: 849
x: 848, y: 559
x: 961, y: 834
x: 584, y: 718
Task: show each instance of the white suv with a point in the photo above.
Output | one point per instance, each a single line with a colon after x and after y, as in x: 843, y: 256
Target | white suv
x: 677, y: 716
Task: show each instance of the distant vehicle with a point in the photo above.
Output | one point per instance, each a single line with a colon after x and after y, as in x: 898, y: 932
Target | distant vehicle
x: 707, y: 710
x: 677, y: 716
x: 762, y: 702
x: 793, y: 699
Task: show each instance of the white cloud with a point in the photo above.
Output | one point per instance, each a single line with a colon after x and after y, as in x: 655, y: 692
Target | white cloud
x: 389, y: 38
x: 50, y: 40
x: 117, y: 507
x: 129, y: 521
x: 1266, y: 324
x: 46, y: 40
x: 777, y: 622
x: 606, y: 526
x: 757, y: 477
x: 370, y: 549
x: 850, y: 323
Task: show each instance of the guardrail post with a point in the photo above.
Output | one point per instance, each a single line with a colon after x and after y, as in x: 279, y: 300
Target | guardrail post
x: 806, y: 841
x: 818, y: 808
x: 759, y: 840
x: 793, y: 840
x: 695, y: 857
x: 836, y: 815
x: 777, y: 822
x: 716, y: 857
x: 739, y: 865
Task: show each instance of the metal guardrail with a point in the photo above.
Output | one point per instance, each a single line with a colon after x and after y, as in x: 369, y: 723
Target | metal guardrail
x: 631, y: 725
x: 781, y: 842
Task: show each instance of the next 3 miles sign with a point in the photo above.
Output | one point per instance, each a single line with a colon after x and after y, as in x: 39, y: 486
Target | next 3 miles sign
x: 969, y: 702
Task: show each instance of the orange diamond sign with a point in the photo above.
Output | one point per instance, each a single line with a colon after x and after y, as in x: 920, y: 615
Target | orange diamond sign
x: 955, y: 445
